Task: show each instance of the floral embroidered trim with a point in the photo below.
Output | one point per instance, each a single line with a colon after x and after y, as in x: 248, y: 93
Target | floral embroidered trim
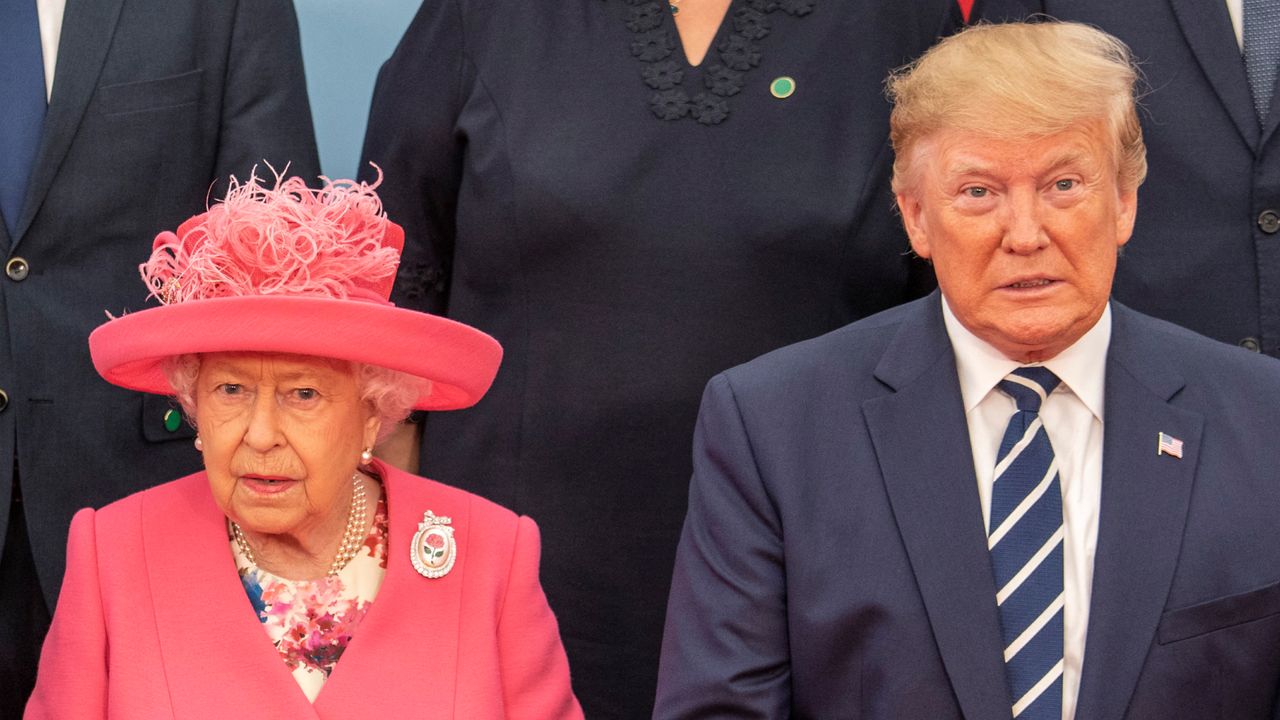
x: 737, y: 54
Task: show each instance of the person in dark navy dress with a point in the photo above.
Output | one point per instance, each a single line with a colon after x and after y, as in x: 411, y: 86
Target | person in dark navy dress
x: 628, y: 224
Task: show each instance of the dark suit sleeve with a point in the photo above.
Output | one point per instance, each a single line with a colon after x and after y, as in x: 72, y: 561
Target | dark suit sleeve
x: 265, y: 112
x: 412, y: 135
x: 725, y: 651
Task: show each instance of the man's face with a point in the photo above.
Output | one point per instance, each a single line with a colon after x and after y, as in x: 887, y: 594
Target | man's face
x: 1023, y: 233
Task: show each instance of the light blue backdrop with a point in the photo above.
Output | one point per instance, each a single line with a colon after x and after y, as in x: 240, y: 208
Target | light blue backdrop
x: 344, y: 42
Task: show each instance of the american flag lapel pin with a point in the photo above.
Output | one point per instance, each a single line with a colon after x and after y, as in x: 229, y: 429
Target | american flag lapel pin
x: 1167, y: 444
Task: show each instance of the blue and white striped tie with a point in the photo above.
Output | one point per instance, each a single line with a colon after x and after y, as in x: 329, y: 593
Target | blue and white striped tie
x: 1025, y: 539
x: 1261, y: 51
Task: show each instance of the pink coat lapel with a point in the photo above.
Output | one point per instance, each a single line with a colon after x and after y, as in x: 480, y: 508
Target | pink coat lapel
x: 405, y: 652
x: 403, y: 655
x: 206, y: 626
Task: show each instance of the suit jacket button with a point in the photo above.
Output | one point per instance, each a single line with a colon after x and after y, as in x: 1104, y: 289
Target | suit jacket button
x: 17, y: 269
x: 1251, y: 344
x: 4, y: 400
x: 1269, y: 221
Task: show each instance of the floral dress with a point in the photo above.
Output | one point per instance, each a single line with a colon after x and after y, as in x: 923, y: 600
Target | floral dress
x: 312, y: 621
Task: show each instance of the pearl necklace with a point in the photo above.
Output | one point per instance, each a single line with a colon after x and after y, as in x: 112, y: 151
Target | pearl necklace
x: 352, y: 537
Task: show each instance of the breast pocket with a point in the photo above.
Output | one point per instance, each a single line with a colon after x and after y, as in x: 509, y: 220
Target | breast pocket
x: 1219, y: 614
x: 162, y: 420
x: 150, y: 95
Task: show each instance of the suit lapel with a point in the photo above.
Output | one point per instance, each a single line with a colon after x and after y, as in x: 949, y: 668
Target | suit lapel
x: 921, y: 440
x: 206, y: 626
x: 404, y: 653
x: 1145, y: 497
x: 1207, y: 28
x: 87, y: 29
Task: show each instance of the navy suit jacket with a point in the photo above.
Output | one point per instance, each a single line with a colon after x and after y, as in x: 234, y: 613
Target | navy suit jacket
x: 834, y: 562
x: 1205, y: 251
x: 153, y: 101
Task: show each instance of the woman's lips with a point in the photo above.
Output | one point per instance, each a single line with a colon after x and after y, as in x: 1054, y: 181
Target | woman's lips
x: 268, y: 484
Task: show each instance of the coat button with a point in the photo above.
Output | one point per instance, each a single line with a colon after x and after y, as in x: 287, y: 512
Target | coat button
x: 1269, y: 221
x: 4, y: 400
x: 17, y: 269
x: 1251, y: 344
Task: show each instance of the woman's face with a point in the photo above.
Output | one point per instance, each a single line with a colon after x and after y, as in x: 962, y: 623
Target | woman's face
x: 282, y: 437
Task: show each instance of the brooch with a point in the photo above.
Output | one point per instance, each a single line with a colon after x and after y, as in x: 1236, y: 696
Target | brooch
x: 434, y: 549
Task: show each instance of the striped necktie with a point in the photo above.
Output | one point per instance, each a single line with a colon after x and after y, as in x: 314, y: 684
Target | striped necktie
x: 1025, y: 540
x: 22, y: 103
x: 1261, y: 50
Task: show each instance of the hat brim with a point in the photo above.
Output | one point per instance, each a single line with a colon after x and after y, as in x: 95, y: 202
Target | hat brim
x: 459, y: 360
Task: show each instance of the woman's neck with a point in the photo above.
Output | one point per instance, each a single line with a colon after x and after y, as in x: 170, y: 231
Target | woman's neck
x: 310, y: 555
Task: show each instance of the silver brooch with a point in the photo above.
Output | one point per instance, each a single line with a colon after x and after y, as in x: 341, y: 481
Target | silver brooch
x: 434, y: 549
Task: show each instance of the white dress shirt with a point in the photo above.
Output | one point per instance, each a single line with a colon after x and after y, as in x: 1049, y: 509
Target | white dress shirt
x: 1072, y: 417
x: 1235, y: 8
x: 50, y: 14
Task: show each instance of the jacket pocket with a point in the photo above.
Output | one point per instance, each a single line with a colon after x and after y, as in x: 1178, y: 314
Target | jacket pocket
x: 145, y: 95
x: 1218, y: 614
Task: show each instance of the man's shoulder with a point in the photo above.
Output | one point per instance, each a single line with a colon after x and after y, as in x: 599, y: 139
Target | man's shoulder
x: 848, y: 355
x: 1192, y: 348
x: 1156, y: 345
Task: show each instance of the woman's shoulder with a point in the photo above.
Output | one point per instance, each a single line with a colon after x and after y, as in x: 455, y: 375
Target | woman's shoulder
x: 404, y: 488
x: 488, y: 533
x: 167, y: 498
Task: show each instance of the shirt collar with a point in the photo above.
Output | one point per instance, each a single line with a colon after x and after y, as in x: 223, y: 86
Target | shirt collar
x: 1081, y: 367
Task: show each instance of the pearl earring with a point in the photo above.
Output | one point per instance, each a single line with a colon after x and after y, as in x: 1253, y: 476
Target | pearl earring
x: 199, y: 444
x: 366, y: 456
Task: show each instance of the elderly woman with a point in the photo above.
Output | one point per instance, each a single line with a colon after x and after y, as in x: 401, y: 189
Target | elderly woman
x: 297, y: 576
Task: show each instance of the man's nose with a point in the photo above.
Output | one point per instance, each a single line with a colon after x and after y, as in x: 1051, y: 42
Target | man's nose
x: 1024, y: 223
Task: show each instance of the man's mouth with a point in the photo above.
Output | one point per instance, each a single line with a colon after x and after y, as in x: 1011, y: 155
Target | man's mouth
x: 1024, y: 284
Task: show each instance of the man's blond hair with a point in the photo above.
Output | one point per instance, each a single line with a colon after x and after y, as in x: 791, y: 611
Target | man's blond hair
x: 1019, y: 80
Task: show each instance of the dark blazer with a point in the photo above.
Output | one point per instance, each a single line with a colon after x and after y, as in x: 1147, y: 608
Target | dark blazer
x: 834, y: 562
x: 1205, y: 251
x: 153, y: 100
x: 624, y: 252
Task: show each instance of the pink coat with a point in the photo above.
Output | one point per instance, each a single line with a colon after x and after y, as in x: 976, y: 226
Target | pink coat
x: 153, y: 622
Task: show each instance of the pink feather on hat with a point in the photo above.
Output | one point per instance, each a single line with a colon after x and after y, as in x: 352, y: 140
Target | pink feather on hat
x: 289, y: 239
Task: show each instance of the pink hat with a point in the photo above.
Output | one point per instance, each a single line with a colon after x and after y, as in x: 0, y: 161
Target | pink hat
x: 291, y: 270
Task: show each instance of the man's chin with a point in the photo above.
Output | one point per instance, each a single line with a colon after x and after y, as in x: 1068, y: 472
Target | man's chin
x: 1031, y: 342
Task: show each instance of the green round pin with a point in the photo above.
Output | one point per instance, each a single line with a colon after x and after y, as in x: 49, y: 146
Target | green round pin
x: 172, y: 420
x: 783, y: 87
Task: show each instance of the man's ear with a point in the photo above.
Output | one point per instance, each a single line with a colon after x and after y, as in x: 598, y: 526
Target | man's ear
x: 912, y: 219
x: 1128, y: 213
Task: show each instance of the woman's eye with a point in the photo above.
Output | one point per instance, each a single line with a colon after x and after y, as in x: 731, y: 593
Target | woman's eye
x: 1065, y: 185
x: 230, y: 389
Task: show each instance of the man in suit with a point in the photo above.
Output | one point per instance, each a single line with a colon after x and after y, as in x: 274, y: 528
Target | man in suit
x: 1206, y: 249
x: 121, y: 117
x: 1014, y: 497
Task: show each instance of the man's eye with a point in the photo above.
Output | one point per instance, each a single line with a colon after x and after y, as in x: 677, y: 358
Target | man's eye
x: 306, y: 393
x: 1065, y: 185
x: 976, y: 192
